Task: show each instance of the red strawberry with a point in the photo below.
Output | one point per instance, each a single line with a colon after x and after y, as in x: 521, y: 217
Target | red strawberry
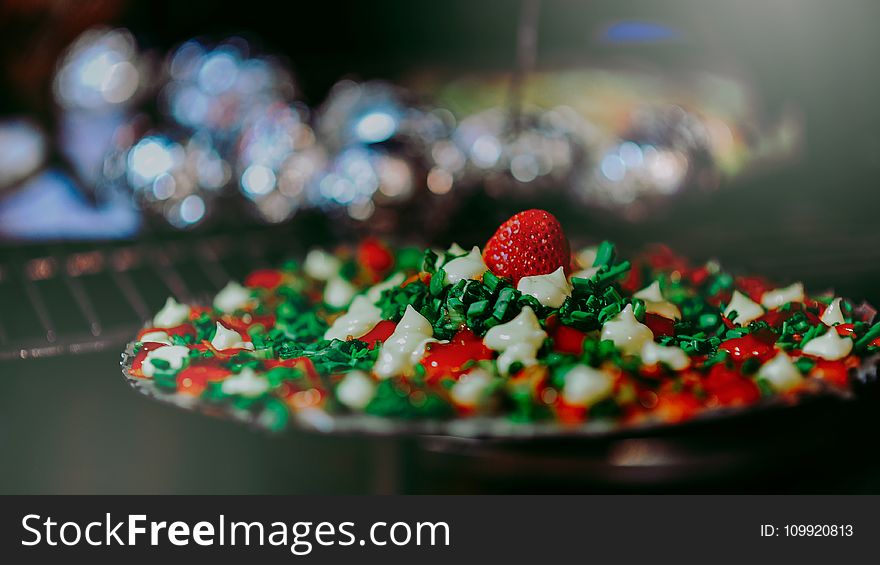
x: 529, y: 243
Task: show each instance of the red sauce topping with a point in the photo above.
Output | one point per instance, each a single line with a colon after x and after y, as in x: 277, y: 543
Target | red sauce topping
x: 835, y: 372
x: 195, y: 312
x: 139, y: 357
x: 663, y: 258
x: 775, y: 318
x: 748, y: 346
x: 243, y: 324
x: 633, y: 280
x: 699, y: 275
x: 676, y: 406
x: 447, y: 359
x: 721, y: 297
x: 569, y: 414
x: 659, y: 325
x: 754, y: 287
x: 568, y: 340
x: 375, y: 257
x: 380, y: 333
x: 729, y: 388
x: 194, y: 379
x: 264, y: 278
x: 302, y: 398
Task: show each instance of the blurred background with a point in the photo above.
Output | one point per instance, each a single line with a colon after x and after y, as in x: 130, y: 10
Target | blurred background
x: 161, y: 148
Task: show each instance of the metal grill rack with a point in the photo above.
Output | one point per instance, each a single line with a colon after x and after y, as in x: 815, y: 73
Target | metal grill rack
x: 66, y: 298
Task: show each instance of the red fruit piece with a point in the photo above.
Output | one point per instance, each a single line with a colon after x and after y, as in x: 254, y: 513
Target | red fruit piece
x: 751, y: 345
x: 568, y: 340
x: 138, y: 361
x: 264, y: 278
x: 659, y: 325
x: 449, y: 359
x: 835, y: 372
x: 775, y: 318
x: 529, y: 243
x: 242, y: 324
x: 374, y: 256
x: 676, y: 407
x: 662, y: 258
x: 846, y: 330
x: 380, y: 333
x: 730, y: 388
x: 195, y: 378
x: 754, y: 287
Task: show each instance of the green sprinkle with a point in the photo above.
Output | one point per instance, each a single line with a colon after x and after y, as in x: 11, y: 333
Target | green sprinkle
x: 581, y: 284
x: 751, y: 365
x: 603, y: 278
x: 394, y: 301
x: 604, y: 254
x: 609, y: 312
x: 438, y: 283
x: 394, y: 401
x: 719, y: 357
x: 348, y: 270
x: 605, y: 409
x: 182, y: 339
x: 165, y: 381
x: 812, y: 333
x: 477, y: 308
x: 707, y: 321
x: 764, y: 386
x: 274, y: 415
x: 505, y: 297
x: 639, y: 309
x: 805, y: 365
x: 581, y: 316
x: 410, y: 258
x: 429, y: 261
x: 866, y: 339
x: 491, y: 281
x: 205, y: 328
x: 278, y: 375
x: 160, y: 364
x: 419, y: 372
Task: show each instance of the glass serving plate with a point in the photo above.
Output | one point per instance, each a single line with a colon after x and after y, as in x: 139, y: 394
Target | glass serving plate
x: 499, y: 428
x: 726, y: 446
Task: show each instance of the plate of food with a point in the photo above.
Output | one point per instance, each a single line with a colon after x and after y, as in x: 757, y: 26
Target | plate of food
x: 522, y: 339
